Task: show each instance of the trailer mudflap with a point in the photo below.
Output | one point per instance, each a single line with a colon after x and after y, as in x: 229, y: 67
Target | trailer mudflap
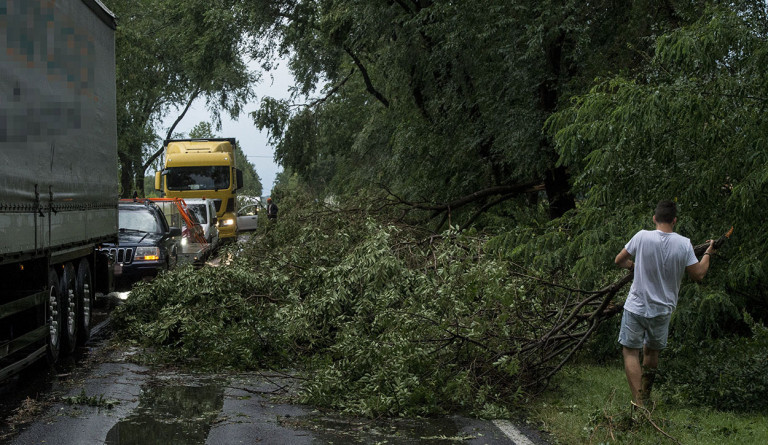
x: 103, y: 276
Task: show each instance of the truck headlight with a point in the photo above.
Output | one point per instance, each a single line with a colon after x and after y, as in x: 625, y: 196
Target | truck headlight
x: 147, y: 253
x: 227, y: 222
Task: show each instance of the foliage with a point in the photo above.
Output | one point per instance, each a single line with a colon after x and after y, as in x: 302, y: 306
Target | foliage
x: 384, y: 321
x: 687, y: 129
x: 27, y: 411
x: 432, y: 100
x: 215, y: 317
x: 167, y: 54
x: 435, y: 100
x: 726, y: 373
x: 95, y: 400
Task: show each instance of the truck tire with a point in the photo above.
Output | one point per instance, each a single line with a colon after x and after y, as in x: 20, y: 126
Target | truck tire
x: 84, y: 294
x: 70, y: 309
x: 53, y: 316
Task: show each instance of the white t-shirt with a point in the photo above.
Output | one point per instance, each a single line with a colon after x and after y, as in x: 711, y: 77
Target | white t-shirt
x: 660, y: 262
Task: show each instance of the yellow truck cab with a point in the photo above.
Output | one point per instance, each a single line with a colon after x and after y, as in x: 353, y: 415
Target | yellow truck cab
x: 203, y: 168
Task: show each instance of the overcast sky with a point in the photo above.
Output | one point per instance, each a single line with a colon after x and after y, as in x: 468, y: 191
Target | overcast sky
x: 252, y: 141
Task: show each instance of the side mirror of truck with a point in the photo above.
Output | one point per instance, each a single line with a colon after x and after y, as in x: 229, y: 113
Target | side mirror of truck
x: 239, y: 178
x: 159, y: 181
x: 174, y: 231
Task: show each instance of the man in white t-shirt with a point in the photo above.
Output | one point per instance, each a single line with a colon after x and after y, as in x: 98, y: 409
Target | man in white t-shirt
x: 661, y: 257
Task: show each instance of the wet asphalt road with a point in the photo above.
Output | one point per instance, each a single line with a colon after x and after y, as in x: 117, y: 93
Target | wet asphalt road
x: 113, y: 401
x: 101, y: 397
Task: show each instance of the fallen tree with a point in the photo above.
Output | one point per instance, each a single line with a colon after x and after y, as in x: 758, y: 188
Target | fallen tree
x: 380, y: 319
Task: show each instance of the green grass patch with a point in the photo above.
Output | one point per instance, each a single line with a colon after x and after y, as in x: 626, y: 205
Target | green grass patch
x: 591, y: 404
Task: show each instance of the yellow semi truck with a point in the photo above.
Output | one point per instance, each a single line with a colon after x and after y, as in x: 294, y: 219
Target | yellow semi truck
x: 203, y: 168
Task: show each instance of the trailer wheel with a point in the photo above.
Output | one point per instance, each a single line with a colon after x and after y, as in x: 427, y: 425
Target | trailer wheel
x: 85, y: 297
x: 71, y: 308
x: 53, y: 316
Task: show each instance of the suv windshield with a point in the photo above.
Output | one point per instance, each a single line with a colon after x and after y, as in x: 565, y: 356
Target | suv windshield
x: 197, y: 178
x: 140, y: 219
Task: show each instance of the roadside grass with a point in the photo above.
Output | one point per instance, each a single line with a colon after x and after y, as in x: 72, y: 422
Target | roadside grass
x: 590, y: 404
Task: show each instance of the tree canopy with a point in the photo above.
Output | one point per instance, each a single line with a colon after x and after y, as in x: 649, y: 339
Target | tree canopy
x: 437, y: 100
x: 170, y: 53
x: 688, y: 127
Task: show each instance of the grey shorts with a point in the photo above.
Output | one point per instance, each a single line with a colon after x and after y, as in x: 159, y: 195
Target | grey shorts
x: 637, y: 331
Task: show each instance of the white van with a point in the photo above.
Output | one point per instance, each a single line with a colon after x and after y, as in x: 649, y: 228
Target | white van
x: 203, y: 212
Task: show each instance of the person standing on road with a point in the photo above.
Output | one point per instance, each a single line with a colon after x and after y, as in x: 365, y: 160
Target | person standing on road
x: 271, y: 210
x: 660, y: 258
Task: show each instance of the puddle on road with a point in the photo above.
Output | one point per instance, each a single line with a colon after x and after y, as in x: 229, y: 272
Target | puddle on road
x: 171, y: 414
x: 333, y: 429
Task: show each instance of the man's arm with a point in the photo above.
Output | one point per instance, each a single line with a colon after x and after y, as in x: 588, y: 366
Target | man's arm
x: 699, y: 270
x: 624, y: 260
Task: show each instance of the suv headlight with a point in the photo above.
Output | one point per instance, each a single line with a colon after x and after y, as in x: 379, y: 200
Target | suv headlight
x: 147, y: 254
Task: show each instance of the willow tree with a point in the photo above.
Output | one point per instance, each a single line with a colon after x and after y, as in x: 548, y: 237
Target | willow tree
x: 689, y: 127
x: 444, y: 102
x: 169, y: 54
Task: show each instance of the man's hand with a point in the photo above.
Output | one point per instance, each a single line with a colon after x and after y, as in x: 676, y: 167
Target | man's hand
x: 699, y: 270
x: 711, y: 249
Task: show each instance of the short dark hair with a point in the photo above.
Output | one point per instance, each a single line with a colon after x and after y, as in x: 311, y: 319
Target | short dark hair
x: 666, y: 212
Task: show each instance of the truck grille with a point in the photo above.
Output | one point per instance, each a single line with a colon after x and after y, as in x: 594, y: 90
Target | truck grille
x: 120, y: 254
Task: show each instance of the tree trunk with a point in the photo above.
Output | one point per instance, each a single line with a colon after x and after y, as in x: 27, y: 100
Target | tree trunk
x: 126, y: 175
x: 559, y: 192
x: 140, y: 182
x: 557, y: 179
x: 140, y: 174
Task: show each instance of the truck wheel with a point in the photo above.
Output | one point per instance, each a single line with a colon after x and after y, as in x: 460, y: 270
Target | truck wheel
x: 53, y: 316
x: 85, y: 297
x: 70, y: 309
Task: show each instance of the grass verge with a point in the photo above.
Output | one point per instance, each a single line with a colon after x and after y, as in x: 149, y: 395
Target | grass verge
x: 591, y: 405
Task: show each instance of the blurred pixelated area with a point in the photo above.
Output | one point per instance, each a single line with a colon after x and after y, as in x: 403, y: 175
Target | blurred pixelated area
x: 29, y: 108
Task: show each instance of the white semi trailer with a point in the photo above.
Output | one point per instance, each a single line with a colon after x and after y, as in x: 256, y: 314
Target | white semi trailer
x: 58, y: 173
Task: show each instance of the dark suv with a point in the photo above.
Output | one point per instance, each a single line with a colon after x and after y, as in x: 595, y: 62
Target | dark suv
x: 145, y: 245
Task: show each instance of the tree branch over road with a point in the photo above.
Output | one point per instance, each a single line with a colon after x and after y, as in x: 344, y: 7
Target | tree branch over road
x: 168, y: 135
x: 367, y: 78
x: 505, y: 192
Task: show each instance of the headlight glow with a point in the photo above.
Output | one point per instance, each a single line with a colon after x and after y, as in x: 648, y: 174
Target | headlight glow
x: 147, y: 253
x: 227, y: 222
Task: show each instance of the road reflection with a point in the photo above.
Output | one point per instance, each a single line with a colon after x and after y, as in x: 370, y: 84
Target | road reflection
x: 170, y: 415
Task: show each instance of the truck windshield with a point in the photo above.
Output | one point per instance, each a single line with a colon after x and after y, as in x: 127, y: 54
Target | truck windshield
x: 197, y: 178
